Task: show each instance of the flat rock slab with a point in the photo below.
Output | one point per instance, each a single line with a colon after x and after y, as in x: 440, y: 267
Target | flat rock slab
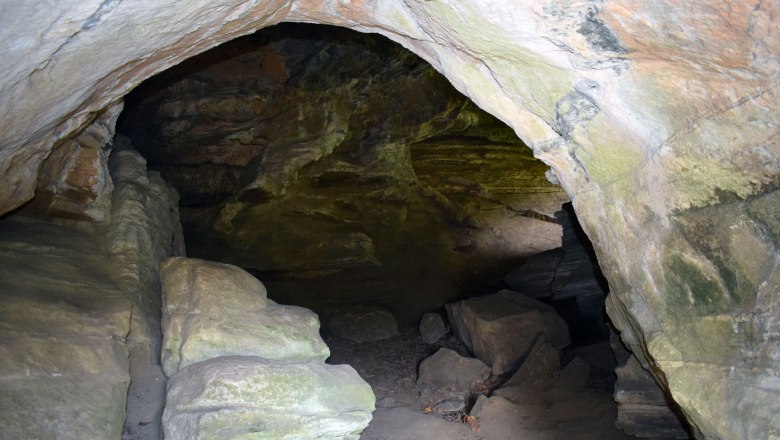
x: 362, y: 324
x: 501, y: 328
x: 448, y: 369
x: 243, y: 397
x: 213, y: 309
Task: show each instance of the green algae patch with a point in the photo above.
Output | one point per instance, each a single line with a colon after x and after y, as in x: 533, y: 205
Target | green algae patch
x: 692, y: 287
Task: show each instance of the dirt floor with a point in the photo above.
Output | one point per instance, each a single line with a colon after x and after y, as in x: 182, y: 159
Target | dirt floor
x: 406, y: 411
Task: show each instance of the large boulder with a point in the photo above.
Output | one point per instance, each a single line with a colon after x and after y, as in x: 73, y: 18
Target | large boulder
x: 213, y: 309
x: 237, y: 397
x: 501, y: 328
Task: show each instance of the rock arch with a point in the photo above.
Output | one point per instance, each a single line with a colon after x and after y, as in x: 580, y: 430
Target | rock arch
x: 660, y: 119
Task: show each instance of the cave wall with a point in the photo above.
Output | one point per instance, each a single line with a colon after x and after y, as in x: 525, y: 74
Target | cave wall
x: 328, y: 161
x: 659, y: 119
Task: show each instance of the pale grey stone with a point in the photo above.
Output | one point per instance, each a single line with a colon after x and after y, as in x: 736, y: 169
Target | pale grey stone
x: 213, y: 309
x: 241, y: 397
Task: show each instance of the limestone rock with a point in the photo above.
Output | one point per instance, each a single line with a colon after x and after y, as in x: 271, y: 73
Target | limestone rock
x: 501, y: 328
x: 238, y: 397
x: 362, y: 323
x: 448, y: 369
x: 432, y: 327
x: 213, y: 309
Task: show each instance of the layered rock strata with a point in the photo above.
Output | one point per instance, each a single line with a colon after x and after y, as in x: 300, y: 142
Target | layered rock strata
x: 80, y: 305
x: 243, y: 366
x: 327, y: 162
x: 656, y: 117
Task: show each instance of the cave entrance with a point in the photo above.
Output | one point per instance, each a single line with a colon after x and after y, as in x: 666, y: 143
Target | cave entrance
x: 351, y: 178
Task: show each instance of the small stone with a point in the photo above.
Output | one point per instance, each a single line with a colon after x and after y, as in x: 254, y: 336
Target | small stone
x: 450, y: 406
x: 432, y: 327
x: 362, y: 324
x: 386, y: 402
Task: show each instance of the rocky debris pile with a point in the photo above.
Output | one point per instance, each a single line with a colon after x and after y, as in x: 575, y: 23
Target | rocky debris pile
x: 362, y: 323
x: 501, y: 328
x: 239, y: 363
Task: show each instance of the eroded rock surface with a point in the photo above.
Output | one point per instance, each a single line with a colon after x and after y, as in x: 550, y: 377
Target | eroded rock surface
x: 213, y: 309
x: 650, y: 113
x: 328, y: 162
x: 64, y: 370
x: 237, y: 397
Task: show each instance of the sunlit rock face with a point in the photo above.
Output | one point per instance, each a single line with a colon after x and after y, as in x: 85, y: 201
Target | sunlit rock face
x: 328, y: 162
x: 659, y: 118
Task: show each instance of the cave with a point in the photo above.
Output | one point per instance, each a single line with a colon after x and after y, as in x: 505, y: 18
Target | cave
x: 657, y: 122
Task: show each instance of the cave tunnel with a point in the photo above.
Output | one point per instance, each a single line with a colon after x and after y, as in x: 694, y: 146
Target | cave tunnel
x: 308, y: 232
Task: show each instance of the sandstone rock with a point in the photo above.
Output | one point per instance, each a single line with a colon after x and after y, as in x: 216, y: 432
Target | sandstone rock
x: 629, y: 102
x: 535, y: 277
x: 362, y: 323
x: 63, y: 324
x: 643, y: 409
x: 448, y: 369
x: 355, y: 184
x: 432, y: 327
x: 143, y: 230
x: 539, y: 370
x: 74, y: 181
x: 213, y: 309
x: 249, y: 397
x: 501, y: 328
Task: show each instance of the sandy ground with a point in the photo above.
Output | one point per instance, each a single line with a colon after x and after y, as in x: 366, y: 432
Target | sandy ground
x: 406, y: 411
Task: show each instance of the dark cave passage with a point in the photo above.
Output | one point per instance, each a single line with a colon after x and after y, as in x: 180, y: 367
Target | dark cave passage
x: 350, y: 178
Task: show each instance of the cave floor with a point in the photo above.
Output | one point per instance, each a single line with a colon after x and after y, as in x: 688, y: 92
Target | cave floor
x: 406, y: 411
